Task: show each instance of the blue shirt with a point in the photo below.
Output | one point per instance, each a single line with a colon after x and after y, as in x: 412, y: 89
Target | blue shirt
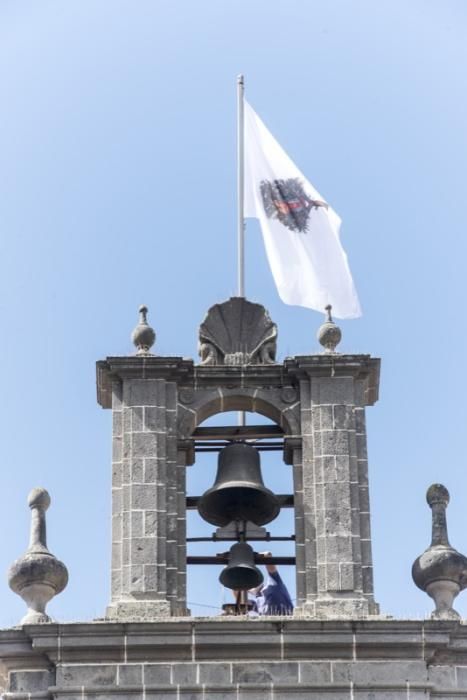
x: 274, y: 598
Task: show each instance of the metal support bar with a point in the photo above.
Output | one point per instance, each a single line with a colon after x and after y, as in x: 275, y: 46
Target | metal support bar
x: 223, y: 559
x: 217, y: 447
x: 266, y: 538
x: 238, y: 432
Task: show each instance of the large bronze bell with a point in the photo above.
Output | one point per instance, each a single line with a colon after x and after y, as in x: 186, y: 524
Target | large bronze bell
x: 238, y: 492
x: 241, y: 572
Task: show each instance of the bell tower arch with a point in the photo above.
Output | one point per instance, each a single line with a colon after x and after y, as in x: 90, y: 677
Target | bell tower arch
x: 318, y: 403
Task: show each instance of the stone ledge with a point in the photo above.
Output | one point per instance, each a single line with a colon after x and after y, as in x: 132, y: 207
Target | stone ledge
x: 27, y: 696
x: 268, y: 639
x: 286, y: 687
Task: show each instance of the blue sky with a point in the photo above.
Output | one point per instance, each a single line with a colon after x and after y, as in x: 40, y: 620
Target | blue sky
x: 117, y: 187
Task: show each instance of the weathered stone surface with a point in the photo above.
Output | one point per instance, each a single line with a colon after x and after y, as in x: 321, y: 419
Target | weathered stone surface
x: 30, y: 681
x: 157, y: 674
x: 380, y: 672
x: 130, y: 674
x: 214, y: 673
x: 258, y: 693
x: 266, y: 673
x: 138, y: 609
x: 461, y: 676
x: 185, y: 674
x: 316, y: 673
x: 88, y: 675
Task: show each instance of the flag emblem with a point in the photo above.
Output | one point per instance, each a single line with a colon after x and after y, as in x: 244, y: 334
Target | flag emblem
x: 287, y: 201
x: 300, y: 229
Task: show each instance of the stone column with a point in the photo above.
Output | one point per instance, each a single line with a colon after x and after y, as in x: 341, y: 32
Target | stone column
x: 305, y: 547
x: 334, y: 565
x: 148, y: 491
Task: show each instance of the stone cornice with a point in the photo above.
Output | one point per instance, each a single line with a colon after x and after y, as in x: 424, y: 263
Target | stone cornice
x: 16, y: 651
x: 186, y: 374
x: 195, y: 639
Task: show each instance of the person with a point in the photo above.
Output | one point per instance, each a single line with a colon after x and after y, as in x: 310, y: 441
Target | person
x: 272, y: 597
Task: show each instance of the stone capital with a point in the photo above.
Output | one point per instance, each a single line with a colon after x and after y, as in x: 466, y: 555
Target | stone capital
x: 360, y: 367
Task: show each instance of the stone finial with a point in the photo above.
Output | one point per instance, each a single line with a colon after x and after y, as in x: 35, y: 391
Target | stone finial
x: 37, y: 576
x: 329, y: 335
x: 440, y: 571
x: 237, y: 332
x: 143, y: 335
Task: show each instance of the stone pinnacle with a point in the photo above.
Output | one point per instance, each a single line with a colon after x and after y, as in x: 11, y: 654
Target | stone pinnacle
x: 37, y: 576
x: 441, y: 571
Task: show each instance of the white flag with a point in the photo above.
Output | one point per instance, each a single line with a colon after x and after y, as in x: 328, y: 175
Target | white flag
x: 300, y: 230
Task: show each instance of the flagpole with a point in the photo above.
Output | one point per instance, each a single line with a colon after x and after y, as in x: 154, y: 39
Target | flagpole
x: 240, y: 196
x: 240, y: 189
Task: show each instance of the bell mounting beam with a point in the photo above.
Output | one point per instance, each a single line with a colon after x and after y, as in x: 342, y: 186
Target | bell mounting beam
x: 266, y: 538
x: 211, y: 446
x: 224, y: 559
x: 238, y: 432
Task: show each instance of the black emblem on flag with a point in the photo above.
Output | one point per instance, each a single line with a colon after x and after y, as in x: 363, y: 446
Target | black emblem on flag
x: 287, y: 201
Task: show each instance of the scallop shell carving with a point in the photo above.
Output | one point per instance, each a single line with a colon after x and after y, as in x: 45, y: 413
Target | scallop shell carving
x: 237, y: 332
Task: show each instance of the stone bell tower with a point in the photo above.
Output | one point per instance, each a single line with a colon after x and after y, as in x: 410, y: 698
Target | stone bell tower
x: 148, y: 646
x: 318, y: 404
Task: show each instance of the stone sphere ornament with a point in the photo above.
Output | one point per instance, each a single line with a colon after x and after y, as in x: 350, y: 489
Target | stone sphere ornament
x: 37, y: 576
x: 329, y: 334
x: 143, y: 336
x: 441, y: 571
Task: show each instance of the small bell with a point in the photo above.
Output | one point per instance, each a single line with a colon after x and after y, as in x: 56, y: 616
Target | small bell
x: 241, y: 572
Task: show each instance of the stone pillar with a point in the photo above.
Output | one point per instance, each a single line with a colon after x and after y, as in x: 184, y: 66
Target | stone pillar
x: 334, y: 564
x: 305, y: 546
x: 148, y: 494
